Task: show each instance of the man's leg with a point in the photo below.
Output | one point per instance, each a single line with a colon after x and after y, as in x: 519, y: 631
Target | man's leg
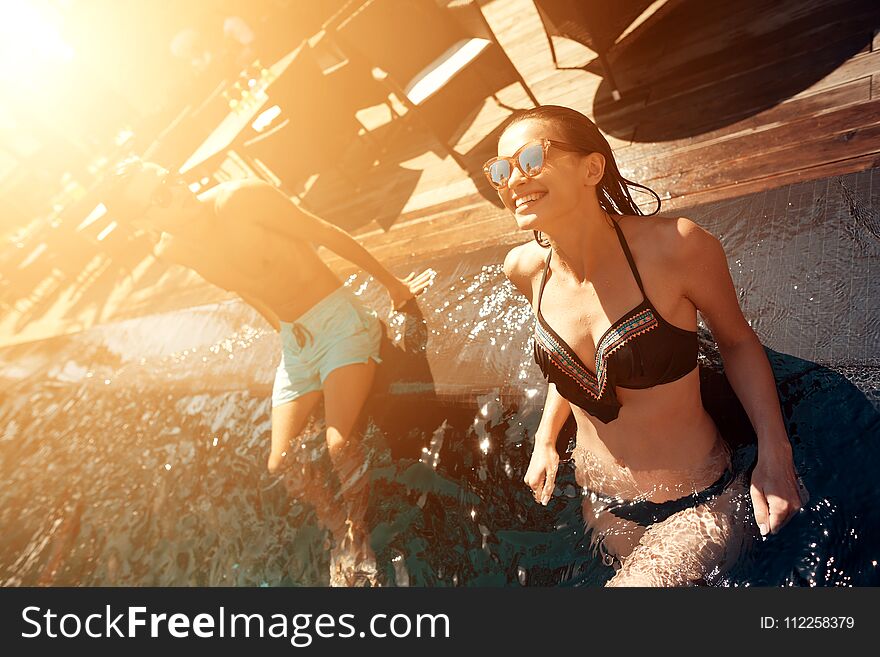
x: 309, y: 483
x: 345, y: 391
x: 288, y: 420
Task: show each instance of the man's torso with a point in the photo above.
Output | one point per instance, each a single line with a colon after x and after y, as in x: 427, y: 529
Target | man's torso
x: 247, y: 257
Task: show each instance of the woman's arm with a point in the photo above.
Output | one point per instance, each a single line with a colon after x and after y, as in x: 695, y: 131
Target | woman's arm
x: 541, y: 473
x: 521, y: 266
x: 774, y: 487
x: 556, y: 412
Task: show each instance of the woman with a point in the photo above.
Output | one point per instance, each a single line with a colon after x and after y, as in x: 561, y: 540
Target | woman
x: 615, y: 297
x: 247, y: 237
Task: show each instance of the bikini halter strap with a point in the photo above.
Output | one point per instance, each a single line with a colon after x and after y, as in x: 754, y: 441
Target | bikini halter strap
x: 544, y: 280
x: 626, y: 252
x: 629, y: 258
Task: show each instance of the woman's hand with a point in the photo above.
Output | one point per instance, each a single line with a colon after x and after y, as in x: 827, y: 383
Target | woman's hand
x: 541, y: 474
x: 406, y: 288
x: 775, y: 491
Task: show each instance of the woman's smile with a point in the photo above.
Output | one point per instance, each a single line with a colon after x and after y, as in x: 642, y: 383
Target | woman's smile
x: 527, y: 201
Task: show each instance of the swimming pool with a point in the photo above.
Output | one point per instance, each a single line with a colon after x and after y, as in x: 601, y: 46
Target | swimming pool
x: 134, y: 453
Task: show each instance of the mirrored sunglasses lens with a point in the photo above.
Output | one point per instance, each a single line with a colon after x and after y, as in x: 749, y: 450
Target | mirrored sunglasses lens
x: 531, y: 159
x: 499, y: 172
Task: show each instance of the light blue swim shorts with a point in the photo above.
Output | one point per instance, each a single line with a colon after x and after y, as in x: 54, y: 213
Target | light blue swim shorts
x: 337, y: 331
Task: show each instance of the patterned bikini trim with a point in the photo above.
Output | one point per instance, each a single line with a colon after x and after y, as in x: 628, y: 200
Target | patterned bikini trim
x: 564, y: 362
x: 611, y: 342
x: 619, y: 336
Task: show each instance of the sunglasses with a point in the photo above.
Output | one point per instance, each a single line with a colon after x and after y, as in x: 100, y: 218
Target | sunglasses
x: 529, y: 159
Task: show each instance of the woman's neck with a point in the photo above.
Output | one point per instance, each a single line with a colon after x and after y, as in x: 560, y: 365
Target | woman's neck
x: 583, y: 243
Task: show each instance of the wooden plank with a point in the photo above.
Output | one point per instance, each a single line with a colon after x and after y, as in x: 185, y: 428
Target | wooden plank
x: 719, y: 193
x: 860, y: 66
x: 815, y: 152
x: 828, y: 62
x: 709, y: 100
x: 479, y: 227
x: 722, y: 153
x: 855, y: 91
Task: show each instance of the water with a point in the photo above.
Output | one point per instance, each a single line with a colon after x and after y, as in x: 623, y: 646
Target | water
x: 134, y: 453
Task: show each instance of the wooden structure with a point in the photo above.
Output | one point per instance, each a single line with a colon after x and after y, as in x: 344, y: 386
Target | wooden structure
x: 723, y: 99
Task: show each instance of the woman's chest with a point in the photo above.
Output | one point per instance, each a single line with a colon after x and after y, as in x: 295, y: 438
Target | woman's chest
x: 581, y: 320
x: 607, y: 314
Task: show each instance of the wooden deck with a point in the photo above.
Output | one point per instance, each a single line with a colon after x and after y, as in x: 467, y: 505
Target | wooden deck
x: 719, y: 100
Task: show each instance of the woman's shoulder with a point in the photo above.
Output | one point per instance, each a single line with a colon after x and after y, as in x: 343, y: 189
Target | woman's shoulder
x: 525, y: 260
x: 665, y: 238
x: 523, y: 264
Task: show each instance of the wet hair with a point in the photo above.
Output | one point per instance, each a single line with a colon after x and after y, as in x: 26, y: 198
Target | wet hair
x: 118, y: 203
x: 113, y: 195
x: 576, y: 129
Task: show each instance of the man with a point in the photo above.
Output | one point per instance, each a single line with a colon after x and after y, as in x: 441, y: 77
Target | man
x: 247, y: 237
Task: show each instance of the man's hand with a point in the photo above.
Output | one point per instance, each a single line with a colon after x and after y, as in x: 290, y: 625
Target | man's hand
x: 409, y: 287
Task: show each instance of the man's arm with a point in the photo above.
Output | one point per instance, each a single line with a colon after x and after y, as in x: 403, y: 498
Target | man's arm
x: 271, y: 209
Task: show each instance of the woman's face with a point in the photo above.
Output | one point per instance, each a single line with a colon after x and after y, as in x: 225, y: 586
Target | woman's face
x: 538, y: 202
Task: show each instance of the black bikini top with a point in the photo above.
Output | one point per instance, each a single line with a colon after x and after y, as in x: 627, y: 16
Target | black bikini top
x: 640, y: 350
